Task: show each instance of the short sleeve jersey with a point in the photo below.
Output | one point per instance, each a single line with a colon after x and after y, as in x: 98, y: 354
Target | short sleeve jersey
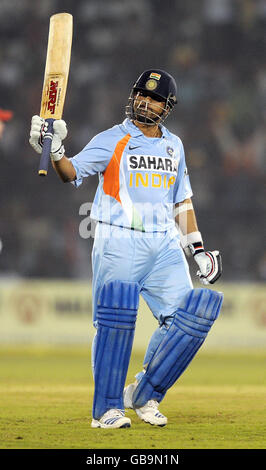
x: 140, y: 178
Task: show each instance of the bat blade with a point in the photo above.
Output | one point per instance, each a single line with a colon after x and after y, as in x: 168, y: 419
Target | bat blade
x: 55, y: 78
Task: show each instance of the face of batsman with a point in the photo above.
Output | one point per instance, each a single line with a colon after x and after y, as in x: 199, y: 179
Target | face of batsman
x: 148, y: 109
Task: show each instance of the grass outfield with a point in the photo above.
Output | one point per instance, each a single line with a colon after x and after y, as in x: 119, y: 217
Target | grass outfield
x: 46, y: 396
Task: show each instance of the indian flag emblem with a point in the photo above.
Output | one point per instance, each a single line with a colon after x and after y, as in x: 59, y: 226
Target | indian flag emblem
x: 157, y: 76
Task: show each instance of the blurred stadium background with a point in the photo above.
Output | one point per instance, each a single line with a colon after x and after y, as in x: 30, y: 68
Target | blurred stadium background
x: 216, y: 51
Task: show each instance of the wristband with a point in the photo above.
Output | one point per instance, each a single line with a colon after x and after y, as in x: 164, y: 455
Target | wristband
x: 190, y: 238
x: 196, y: 248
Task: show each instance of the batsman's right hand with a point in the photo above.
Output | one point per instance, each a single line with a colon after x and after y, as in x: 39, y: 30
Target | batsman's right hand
x: 37, y: 132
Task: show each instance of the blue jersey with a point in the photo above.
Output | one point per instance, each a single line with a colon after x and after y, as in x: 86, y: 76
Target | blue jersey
x: 140, y: 178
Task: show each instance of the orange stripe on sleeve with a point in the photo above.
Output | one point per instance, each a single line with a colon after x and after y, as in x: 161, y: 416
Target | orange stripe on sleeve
x: 111, y: 183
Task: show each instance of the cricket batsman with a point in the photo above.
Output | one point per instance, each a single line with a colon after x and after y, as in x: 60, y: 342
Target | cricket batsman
x: 143, y: 194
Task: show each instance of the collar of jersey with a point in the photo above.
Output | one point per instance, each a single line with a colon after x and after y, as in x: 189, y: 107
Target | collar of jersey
x: 134, y: 131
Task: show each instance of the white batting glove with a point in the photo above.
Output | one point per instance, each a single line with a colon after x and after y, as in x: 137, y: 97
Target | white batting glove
x: 37, y: 132
x: 60, y: 133
x: 210, y: 266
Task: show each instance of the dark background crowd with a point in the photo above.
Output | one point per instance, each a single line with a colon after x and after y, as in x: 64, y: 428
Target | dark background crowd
x: 216, y: 51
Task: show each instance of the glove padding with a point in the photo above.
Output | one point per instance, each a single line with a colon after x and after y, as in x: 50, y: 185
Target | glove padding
x: 210, y: 264
x: 38, y: 130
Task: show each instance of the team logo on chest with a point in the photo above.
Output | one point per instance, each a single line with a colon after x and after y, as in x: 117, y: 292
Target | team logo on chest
x: 170, y: 151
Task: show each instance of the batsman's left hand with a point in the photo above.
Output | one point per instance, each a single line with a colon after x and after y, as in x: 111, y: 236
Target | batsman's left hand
x: 210, y: 266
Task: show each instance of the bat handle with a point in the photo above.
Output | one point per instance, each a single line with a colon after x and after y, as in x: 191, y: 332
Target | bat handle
x: 46, y: 149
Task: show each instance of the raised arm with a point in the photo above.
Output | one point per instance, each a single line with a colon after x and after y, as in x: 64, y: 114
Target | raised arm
x: 64, y: 169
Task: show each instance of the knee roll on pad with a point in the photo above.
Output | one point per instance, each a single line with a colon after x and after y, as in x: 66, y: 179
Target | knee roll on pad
x: 116, y: 317
x: 187, y: 332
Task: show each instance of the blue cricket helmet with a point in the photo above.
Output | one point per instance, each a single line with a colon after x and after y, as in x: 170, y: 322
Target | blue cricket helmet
x: 158, y: 84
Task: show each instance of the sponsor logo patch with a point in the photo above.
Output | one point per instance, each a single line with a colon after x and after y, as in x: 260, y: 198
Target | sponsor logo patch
x: 53, y: 88
x: 132, y: 148
x: 152, y: 163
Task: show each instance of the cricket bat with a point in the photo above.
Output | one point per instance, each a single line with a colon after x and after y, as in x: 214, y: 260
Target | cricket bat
x: 55, y: 79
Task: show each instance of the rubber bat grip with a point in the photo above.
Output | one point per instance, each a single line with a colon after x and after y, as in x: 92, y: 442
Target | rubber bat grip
x: 46, y: 149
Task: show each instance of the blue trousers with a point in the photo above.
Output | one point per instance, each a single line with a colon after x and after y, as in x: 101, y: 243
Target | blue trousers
x: 153, y: 260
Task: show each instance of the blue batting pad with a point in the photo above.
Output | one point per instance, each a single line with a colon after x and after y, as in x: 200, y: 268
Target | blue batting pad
x: 116, y: 317
x: 187, y: 332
